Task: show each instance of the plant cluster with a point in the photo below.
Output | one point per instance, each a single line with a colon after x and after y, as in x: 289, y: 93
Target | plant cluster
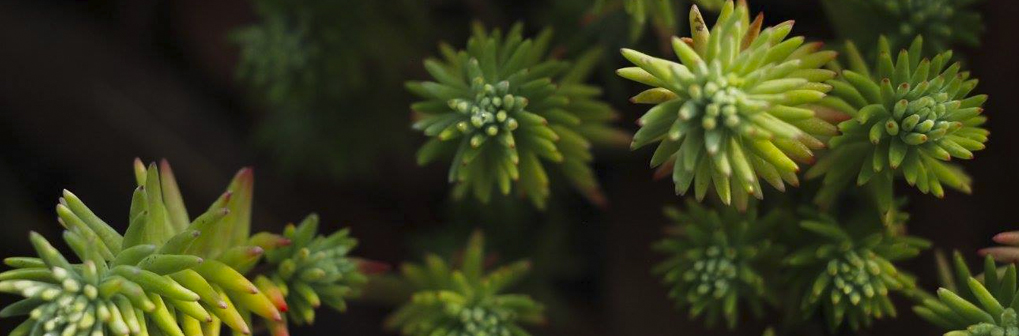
x: 514, y: 116
x: 170, y: 274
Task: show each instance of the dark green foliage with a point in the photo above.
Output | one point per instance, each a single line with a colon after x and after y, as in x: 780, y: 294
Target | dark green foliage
x: 328, y: 74
x: 505, y: 111
x: 944, y: 23
x: 464, y: 300
x: 909, y: 117
x: 716, y: 260
x: 847, y: 271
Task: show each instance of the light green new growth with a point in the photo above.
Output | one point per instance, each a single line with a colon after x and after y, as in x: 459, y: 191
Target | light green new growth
x: 738, y: 108
x: 162, y: 277
x: 465, y: 301
x: 716, y: 258
x: 506, y: 113
x: 849, y: 278
x: 971, y: 305
x: 909, y: 116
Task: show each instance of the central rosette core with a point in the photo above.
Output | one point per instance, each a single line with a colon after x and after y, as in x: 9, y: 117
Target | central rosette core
x: 717, y: 103
x: 919, y: 120
x: 715, y: 273
x: 491, y: 111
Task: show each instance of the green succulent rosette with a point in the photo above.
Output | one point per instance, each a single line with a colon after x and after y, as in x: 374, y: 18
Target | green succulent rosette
x: 311, y: 270
x: 847, y: 275
x: 465, y: 300
x: 738, y: 107
x: 718, y: 258
x: 972, y: 305
x: 506, y: 112
x: 908, y: 117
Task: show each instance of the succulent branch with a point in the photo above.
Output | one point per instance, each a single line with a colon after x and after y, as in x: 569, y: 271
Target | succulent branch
x: 718, y: 258
x: 312, y: 269
x: 505, y: 112
x: 465, y: 300
x: 737, y: 109
x: 909, y: 117
x: 848, y: 276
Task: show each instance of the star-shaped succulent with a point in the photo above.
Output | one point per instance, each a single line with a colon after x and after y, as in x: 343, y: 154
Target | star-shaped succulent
x: 506, y: 113
x: 848, y: 275
x: 465, y: 301
x: 736, y: 109
x: 716, y: 260
x: 909, y: 117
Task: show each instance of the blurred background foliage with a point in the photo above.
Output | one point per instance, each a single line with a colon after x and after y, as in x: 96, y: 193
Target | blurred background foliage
x: 311, y: 93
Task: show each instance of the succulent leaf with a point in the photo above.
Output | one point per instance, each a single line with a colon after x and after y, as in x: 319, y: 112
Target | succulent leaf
x: 737, y: 108
x: 506, y: 112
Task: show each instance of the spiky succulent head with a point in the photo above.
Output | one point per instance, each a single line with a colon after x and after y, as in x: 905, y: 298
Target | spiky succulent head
x: 736, y: 109
x: 464, y: 301
x: 506, y: 113
x: 717, y: 258
x: 848, y: 273
x: 160, y: 277
x: 910, y: 116
x: 312, y: 269
x: 972, y: 305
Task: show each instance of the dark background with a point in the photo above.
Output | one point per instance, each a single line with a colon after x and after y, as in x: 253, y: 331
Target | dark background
x: 87, y: 86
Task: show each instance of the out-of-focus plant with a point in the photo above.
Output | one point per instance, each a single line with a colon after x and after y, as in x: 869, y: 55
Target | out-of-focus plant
x: 504, y: 111
x: 464, y: 299
x: 718, y: 258
x: 944, y: 23
x: 736, y: 109
x: 168, y: 274
x: 328, y: 74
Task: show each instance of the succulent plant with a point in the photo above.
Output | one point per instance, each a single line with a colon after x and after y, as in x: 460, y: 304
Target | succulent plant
x: 969, y: 305
x: 464, y: 301
x: 311, y: 65
x: 737, y: 108
x: 662, y: 15
x: 504, y: 111
x: 849, y: 276
x: 311, y: 270
x: 944, y: 23
x: 716, y: 259
x: 169, y: 274
x: 156, y: 278
x: 909, y: 116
